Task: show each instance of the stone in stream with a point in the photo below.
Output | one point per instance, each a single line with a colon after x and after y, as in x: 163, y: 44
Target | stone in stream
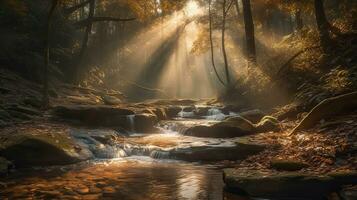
x: 228, y: 128
x: 238, y: 151
x: 35, y: 149
x: 94, y: 115
x: 172, y: 111
x: 106, y: 116
x: 144, y: 123
x: 285, y: 184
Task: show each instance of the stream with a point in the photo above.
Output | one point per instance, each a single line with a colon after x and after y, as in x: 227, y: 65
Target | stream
x: 139, y: 168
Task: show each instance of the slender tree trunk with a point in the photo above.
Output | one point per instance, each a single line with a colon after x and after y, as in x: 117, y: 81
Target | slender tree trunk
x: 299, y: 22
x: 249, y: 32
x: 237, y: 7
x: 46, y: 99
x: 322, y: 25
x: 85, y: 40
x: 211, y: 43
x: 226, y: 67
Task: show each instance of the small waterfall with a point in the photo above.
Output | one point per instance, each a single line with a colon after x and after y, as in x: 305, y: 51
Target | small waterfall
x: 151, y: 151
x: 184, y: 114
x: 215, y: 114
x: 130, y: 119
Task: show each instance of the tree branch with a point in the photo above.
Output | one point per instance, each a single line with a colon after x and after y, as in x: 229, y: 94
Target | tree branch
x: 99, y: 19
x: 70, y: 10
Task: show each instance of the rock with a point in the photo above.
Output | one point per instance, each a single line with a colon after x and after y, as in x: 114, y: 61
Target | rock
x: 253, y: 115
x: 189, y: 109
x: 238, y: 151
x: 268, y: 123
x: 284, y: 184
x: 172, y: 111
x: 160, y: 113
x: 287, y: 165
x: 111, y: 100
x: 145, y: 122
x: 29, y: 149
x: 95, y: 115
x: 82, y: 190
x: 349, y: 192
x: 229, y: 128
x: 4, y: 165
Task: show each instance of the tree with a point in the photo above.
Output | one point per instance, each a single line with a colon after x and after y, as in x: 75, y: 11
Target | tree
x: 224, y: 52
x: 211, y: 44
x: 322, y: 25
x: 46, y: 100
x: 249, y: 32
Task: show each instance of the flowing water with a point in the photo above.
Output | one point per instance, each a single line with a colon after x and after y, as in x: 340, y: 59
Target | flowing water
x: 138, y: 169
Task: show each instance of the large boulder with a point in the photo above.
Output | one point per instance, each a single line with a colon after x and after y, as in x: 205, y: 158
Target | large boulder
x: 145, y: 123
x: 253, y: 116
x: 229, y: 128
x: 172, y: 111
x: 238, y: 151
x: 95, y: 115
x: 285, y: 184
x: 32, y: 149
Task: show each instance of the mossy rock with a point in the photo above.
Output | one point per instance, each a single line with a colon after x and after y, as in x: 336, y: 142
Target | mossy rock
x: 111, y: 100
x: 253, y: 116
x: 285, y: 184
x: 31, y: 149
x: 237, y: 122
x: 287, y: 165
x: 268, y: 123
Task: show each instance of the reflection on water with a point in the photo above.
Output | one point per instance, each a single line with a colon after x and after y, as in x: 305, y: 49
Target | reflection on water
x: 133, y: 179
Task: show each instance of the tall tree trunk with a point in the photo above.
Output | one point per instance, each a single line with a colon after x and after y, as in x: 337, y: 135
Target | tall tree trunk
x: 85, y: 40
x: 249, y: 32
x: 322, y: 25
x: 211, y: 44
x: 46, y: 99
x: 226, y: 67
x: 298, y: 19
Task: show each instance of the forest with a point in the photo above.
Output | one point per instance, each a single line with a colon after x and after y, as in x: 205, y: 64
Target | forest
x: 178, y: 99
